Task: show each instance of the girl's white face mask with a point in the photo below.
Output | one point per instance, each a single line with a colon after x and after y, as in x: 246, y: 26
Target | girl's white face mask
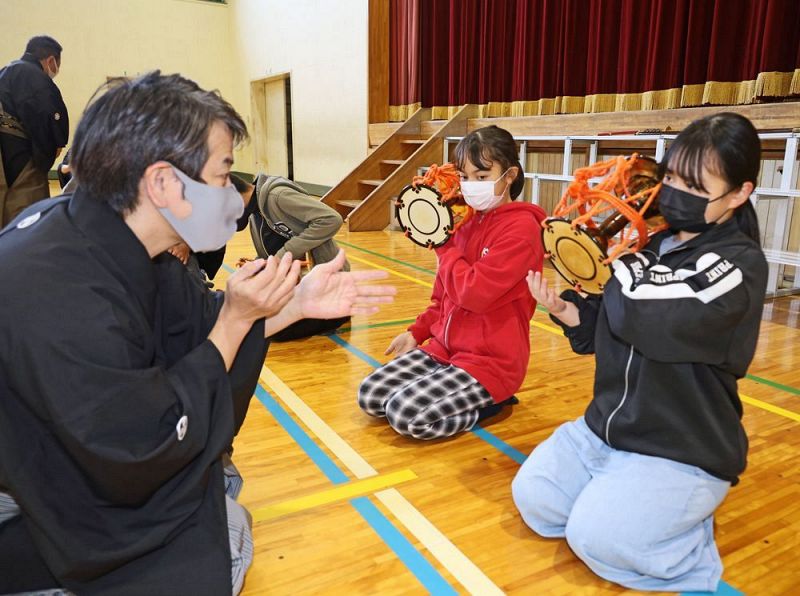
x: 479, y: 194
x: 212, y: 221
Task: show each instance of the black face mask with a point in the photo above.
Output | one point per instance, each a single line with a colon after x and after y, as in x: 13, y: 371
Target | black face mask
x: 684, y: 211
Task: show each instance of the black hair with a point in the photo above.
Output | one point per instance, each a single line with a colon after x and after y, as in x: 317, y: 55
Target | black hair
x: 140, y: 121
x: 241, y: 184
x: 726, y: 144
x: 494, y: 145
x: 42, y: 47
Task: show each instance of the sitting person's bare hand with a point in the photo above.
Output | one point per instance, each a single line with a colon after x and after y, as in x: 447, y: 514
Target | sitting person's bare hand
x: 401, y: 344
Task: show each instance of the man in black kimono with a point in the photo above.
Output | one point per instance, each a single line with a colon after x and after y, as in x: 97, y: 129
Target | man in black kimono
x: 123, y: 380
x: 33, y: 125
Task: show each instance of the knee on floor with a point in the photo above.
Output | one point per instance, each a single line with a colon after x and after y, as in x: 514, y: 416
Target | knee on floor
x: 540, y: 503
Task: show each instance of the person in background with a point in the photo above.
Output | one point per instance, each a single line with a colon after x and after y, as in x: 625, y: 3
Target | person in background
x: 289, y: 220
x: 34, y: 125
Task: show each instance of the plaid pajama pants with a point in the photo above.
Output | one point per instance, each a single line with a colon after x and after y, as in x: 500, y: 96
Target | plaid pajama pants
x: 422, y: 398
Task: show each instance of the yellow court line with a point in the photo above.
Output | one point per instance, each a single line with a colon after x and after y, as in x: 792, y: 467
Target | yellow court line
x: 457, y: 563
x: 551, y: 329
x: 392, y: 271
x: 344, y: 492
x: 769, y: 407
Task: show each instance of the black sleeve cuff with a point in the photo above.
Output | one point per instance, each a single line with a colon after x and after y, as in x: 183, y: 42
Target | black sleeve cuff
x: 244, y: 372
x: 581, y: 337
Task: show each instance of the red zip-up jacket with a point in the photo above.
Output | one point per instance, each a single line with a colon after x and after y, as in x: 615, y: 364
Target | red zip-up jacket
x: 481, y: 307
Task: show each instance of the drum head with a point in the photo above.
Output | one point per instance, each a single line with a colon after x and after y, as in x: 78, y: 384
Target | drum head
x: 425, y: 219
x: 576, y: 256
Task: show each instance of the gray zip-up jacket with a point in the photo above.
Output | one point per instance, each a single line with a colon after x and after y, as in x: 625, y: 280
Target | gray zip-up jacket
x: 313, y: 224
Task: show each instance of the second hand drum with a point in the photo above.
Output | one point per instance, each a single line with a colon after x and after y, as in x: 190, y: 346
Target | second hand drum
x: 626, y: 205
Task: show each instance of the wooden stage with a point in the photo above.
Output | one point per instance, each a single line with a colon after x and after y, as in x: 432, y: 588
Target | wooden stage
x: 344, y: 505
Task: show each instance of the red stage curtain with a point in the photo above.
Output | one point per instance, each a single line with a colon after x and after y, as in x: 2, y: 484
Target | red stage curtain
x: 519, y: 57
x: 403, y: 54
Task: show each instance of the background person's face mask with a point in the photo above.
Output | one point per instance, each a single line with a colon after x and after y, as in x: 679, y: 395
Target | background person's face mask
x: 684, y: 211
x: 479, y: 194
x: 212, y: 221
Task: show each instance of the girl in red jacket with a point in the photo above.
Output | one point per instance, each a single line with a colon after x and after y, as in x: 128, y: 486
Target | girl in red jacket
x: 460, y: 362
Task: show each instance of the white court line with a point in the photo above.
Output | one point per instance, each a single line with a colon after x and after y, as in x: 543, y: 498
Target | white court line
x: 457, y: 563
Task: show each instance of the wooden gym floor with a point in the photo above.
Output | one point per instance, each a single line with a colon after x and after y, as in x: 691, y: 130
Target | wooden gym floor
x: 344, y: 505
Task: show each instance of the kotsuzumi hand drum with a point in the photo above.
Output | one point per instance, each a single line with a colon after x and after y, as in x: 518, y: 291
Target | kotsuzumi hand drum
x: 431, y: 208
x: 593, y: 225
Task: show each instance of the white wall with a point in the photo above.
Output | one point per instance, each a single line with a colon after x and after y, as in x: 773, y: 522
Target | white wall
x: 124, y: 37
x: 323, y: 45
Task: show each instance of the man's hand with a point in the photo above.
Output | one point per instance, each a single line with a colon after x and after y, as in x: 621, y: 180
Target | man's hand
x: 328, y: 293
x: 401, y: 344
x: 261, y: 288
x: 180, y: 251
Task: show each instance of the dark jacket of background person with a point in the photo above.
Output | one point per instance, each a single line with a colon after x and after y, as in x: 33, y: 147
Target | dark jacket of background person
x: 34, y: 124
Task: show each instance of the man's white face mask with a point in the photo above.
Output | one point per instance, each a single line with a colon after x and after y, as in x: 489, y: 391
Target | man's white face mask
x: 212, y: 221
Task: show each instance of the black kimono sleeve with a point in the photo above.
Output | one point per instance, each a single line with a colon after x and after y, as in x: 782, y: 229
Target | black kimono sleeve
x: 189, y: 311
x: 46, y: 122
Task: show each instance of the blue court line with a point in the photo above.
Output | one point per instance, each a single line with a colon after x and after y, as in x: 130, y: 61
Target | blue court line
x: 499, y: 444
x: 426, y: 574
x: 482, y: 433
x: 405, y: 551
x: 723, y: 589
x: 306, y: 443
x: 354, y: 350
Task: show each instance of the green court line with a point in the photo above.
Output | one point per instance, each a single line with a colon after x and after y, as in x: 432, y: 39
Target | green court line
x: 763, y: 381
x: 374, y: 325
x: 754, y: 378
x: 382, y: 256
x: 404, y: 263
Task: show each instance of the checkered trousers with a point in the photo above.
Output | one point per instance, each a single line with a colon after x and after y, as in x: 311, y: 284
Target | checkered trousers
x: 422, y: 398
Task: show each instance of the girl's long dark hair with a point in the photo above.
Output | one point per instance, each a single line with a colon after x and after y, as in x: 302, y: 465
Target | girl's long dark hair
x: 726, y: 144
x: 491, y: 144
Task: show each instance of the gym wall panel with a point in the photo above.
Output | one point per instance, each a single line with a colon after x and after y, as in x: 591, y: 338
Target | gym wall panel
x: 323, y: 47
x: 103, y: 38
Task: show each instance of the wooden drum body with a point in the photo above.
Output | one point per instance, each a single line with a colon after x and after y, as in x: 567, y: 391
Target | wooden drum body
x: 625, y: 205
